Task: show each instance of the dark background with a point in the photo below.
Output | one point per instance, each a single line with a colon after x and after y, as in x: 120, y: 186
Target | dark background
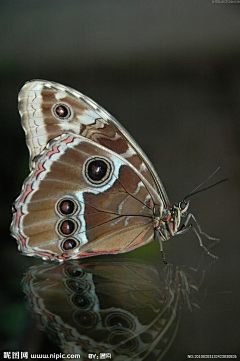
x: 169, y: 71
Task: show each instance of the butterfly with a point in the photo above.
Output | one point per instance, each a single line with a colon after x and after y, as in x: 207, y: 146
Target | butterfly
x: 91, y: 189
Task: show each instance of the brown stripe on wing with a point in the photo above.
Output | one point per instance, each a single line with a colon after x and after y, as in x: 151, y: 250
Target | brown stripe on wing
x: 121, y: 210
x: 124, y: 239
x: 127, y: 196
x: 49, y: 99
x: 45, y: 241
x: 105, y: 135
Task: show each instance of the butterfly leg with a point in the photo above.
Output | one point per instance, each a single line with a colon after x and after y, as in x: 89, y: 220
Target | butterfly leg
x: 186, y: 227
x: 157, y: 235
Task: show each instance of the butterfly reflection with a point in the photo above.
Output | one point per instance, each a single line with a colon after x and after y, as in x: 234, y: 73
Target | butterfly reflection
x: 122, y: 311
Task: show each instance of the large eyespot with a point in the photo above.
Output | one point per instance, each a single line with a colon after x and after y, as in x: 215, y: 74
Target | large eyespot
x: 67, y: 227
x: 62, y: 111
x: 97, y: 170
x: 66, y: 207
x: 69, y: 244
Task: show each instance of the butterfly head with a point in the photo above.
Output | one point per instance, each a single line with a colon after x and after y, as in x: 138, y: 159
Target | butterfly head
x: 183, y: 207
x: 177, y: 211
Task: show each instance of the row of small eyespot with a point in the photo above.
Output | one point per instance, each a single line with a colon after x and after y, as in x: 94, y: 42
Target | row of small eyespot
x: 67, y: 226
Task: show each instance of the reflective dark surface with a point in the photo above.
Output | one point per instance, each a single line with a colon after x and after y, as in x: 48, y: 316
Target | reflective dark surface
x: 128, y: 309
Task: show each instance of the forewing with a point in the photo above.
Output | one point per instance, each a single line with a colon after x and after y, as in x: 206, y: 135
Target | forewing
x: 39, y: 98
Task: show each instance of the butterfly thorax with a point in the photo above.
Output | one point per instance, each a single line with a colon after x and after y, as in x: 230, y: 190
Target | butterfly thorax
x: 168, y: 225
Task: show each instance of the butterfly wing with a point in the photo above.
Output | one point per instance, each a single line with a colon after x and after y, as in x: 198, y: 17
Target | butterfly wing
x: 82, y: 199
x: 49, y: 109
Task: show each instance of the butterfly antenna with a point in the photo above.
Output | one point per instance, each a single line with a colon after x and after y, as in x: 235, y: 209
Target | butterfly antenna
x: 195, y: 191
